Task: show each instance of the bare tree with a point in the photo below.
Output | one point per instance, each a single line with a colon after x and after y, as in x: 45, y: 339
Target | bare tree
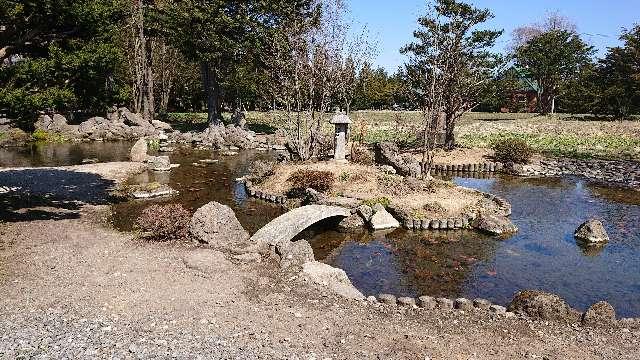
x: 553, y: 21
x: 304, y: 71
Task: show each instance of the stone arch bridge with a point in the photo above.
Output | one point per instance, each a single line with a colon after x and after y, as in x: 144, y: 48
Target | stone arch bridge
x: 287, y: 226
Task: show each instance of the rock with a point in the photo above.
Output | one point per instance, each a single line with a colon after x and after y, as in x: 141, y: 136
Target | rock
x: 544, y: 306
x: 495, y: 224
x: 216, y: 224
x: 378, y: 207
x: 90, y: 161
x: 139, y: 151
x: 427, y: 302
x: 351, y: 223
x: 599, y: 314
x: 482, y: 304
x: 592, y: 232
x: 132, y: 119
x: 294, y: 254
x: 161, y: 125
x: 382, y: 220
x: 406, y: 301
x: 387, y: 299
x: 56, y: 124
x: 161, y: 191
x: 159, y: 163
x: 444, y: 303
x: 387, y: 169
x: 387, y: 153
x: 366, y: 212
x: 497, y: 309
x: 334, y: 279
x: 463, y: 304
x: 206, y: 261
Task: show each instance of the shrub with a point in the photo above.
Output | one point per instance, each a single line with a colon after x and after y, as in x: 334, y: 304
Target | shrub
x: 512, y: 150
x: 321, y: 181
x: 164, y: 222
x: 384, y: 201
x: 260, y: 170
x: 44, y: 136
x: 344, y: 176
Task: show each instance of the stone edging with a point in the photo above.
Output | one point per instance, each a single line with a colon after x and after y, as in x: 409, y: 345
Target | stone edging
x: 462, y: 222
x: 430, y: 303
x: 255, y: 193
x: 469, y: 168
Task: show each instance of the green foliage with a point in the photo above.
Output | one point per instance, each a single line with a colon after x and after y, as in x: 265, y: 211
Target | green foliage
x: 164, y: 222
x: 512, y: 150
x: 68, y: 56
x: 321, y: 181
x: 153, y: 144
x: 344, y: 176
x: 384, y: 201
x: 44, y: 136
x: 551, y: 60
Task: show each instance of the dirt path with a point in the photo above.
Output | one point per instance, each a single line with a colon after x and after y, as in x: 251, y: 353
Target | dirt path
x: 75, y: 288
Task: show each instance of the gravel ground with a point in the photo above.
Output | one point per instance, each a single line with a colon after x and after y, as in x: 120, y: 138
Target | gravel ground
x: 75, y: 288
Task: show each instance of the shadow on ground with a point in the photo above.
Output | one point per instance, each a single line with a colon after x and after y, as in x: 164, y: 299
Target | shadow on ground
x: 50, y: 194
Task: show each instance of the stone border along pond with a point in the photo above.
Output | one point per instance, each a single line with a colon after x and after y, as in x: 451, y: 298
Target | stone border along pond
x: 465, y: 221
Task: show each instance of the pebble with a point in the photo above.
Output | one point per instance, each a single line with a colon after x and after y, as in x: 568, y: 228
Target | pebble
x: 387, y: 299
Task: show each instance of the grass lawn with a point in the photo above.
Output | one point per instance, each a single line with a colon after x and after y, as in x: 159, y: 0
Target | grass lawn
x: 577, y: 136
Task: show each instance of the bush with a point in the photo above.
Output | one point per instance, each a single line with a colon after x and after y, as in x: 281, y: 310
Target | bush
x: 512, y: 150
x: 321, y: 181
x: 260, y: 170
x: 164, y: 222
x: 384, y: 201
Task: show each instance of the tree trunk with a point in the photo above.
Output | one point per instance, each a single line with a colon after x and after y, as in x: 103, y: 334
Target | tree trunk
x: 212, y: 92
x: 148, y: 99
x: 449, y: 136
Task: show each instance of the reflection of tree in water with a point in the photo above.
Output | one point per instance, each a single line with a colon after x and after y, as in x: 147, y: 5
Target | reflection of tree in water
x: 438, y: 263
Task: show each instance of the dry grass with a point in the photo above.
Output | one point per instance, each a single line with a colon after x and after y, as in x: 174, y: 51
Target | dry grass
x: 368, y: 182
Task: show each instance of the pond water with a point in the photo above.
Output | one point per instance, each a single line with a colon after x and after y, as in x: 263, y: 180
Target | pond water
x: 542, y: 255
x: 64, y: 154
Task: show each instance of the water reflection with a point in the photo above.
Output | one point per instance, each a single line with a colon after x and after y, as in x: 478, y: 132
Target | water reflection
x: 42, y: 154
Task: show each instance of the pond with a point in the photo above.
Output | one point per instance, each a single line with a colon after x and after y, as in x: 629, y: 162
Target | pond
x: 542, y: 255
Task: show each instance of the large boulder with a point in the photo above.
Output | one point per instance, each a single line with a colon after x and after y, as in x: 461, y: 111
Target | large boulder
x: 159, y: 163
x: 161, y: 125
x: 216, y: 224
x: 139, y: 151
x: 333, y: 279
x: 132, y: 119
x: 237, y: 136
x: 387, y: 153
x: 56, y: 124
x: 544, y: 306
x: 495, y: 224
x: 599, y: 314
x: 592, y: 232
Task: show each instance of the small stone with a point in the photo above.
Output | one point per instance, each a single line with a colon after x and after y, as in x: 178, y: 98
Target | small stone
x: 406, y: 301
x: 427, y: 302
x: 482, y: 304
x: 387, y: 299
x: 592, y: 232
x: 444, y: 303
x: 365, y: 211
x: 599, y: 314
x: 463, y: 304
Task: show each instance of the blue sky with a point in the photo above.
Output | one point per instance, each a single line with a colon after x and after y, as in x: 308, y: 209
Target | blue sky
x: 392, y: 22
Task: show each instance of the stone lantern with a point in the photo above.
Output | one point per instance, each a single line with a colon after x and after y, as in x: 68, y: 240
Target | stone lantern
x: 341, y: 121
